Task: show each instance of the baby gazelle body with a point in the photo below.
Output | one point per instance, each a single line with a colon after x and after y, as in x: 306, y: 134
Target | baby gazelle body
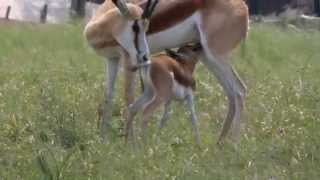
x: 171, y: 78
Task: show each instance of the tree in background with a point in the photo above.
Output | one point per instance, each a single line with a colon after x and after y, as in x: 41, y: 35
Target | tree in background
x: 78, y: 8
x: 96, y: 1
x: 317, y: 7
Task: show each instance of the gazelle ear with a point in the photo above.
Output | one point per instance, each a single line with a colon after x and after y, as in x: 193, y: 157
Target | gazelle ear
x: 174, y: 54
x: 151, y: 4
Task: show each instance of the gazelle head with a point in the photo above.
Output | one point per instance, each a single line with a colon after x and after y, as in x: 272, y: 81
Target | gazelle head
x: 139, y: 27
x: 187, y: 55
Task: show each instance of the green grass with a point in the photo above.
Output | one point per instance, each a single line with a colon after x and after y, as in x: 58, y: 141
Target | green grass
x: 51, y: 84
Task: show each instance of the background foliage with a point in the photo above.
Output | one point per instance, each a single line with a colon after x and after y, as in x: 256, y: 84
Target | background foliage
x: 51, y: 84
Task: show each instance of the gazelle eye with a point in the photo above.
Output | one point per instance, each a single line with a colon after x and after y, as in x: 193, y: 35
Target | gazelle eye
x: 145, y: 58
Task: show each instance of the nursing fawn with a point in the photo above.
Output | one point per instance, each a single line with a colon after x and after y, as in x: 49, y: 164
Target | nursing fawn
x: 169, y: 77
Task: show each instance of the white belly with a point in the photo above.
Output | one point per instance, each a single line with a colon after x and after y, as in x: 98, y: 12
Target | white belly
x: 179, y: 91
x: 178, y: 35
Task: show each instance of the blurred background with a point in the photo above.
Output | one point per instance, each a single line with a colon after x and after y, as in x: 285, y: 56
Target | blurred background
x: 57, y: 11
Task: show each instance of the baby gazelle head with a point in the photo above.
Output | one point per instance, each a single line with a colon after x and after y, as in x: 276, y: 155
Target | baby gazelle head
x: 186, y: 55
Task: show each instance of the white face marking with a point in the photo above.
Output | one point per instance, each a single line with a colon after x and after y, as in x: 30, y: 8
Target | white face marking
x: 141, y: 44
x: 126, y: 41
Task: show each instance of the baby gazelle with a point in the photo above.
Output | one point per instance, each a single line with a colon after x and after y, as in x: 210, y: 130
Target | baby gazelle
x: 171, y: 78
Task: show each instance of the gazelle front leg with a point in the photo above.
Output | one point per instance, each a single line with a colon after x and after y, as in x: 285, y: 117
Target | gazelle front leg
x: 147, y: 112
x: 194, y: 119
x: 133, y: 106
x: 111, y: 75
x: 146, y: 97
x: 129, y: 83
x: 165, y: 116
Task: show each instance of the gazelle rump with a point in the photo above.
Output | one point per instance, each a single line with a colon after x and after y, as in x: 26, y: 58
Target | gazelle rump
x: 219, y: 25
x: 170, y: 79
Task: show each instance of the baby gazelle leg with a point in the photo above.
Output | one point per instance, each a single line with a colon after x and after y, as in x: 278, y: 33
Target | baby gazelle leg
x: 165, y: 116
x: 148, y: 110
x: 194, y: 119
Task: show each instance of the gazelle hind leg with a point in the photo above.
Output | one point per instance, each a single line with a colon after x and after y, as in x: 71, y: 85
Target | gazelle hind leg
x: 236, y: 127
x: 111, y: 75
x: 232, y: 85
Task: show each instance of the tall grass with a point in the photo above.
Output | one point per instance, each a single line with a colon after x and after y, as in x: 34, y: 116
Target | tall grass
x: 51, y: 84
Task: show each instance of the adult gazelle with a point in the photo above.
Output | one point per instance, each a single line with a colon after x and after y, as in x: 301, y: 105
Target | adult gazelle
x: 116, y: 34
x: 219, y: 25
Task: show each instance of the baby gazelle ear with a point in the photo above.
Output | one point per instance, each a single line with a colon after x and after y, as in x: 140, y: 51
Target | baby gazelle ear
x: 174, y: 54
x: 171, y: 53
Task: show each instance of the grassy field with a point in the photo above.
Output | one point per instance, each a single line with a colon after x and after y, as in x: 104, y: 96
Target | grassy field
x: 51, y: 84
